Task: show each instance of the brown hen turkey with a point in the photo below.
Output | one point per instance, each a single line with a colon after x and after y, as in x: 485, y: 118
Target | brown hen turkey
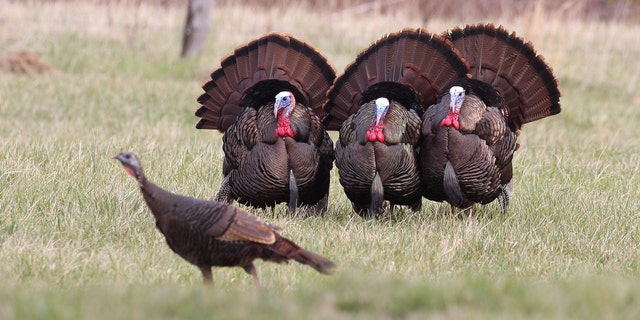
x: 469, y: 135
x: 209, y: 233
x: 376, y: 104
x: 267, y: 99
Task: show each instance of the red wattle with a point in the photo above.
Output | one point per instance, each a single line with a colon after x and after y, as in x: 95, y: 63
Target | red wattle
x: 375, y: 134
x: 371, y: 135
x: 451, y: 120
x: 283, y: 129
x: 283, y: 132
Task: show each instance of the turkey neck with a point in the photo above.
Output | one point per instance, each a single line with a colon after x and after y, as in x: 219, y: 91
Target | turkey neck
x: 160, y: 201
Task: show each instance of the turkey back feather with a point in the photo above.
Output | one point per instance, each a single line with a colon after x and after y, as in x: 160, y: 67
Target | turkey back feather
x: 513, y: 68
x: 256, y: 72
x: 411, y: 66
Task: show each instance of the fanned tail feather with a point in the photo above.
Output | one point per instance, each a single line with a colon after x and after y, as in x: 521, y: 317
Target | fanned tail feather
x: 421, y: 62
x: 512, y: 67
x: 258, y: 71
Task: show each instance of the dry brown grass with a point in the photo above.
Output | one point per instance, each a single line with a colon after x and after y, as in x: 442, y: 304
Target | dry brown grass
x: 24, y: 61
x: 457, y: 9
x: 357, y: 23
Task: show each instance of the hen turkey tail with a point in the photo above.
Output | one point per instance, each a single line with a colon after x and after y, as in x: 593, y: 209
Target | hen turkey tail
x: 513, y: 68
x: 256, y: 72
x: 411, y: 66
x: 290, y: 250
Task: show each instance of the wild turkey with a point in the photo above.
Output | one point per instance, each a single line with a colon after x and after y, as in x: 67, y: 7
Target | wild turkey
x: 376, y: 104
x: 469, y: 136
x: 267, y: 97
x: 208, y: 233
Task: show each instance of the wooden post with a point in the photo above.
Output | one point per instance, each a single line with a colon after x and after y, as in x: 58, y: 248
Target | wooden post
x: 196, y: 28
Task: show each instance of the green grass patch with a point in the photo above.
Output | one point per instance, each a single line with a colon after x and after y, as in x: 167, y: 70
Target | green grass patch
x: 77, y: 241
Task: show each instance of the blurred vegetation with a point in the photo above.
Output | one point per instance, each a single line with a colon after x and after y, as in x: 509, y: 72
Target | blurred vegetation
x: 627, y: 10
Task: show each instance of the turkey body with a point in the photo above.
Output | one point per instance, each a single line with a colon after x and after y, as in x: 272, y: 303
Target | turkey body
x: 471, y: 164
x: 213, y: 234
x: 267, y: 99
x: 372, y: 169
x: 188, y: 232
x: 259, y: 168
x: 469, y: 134
x: 376, y: 104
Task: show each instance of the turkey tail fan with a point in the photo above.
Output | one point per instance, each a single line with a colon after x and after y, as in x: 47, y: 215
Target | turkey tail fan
x: 411, y: 66
x: 256, y: 72
x: 511, y: 66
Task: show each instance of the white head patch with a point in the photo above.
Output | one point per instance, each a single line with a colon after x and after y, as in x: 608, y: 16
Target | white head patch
x: 382, y: 103
x: 382, y: 106
x: 282, y: 94
x: 456, y: 91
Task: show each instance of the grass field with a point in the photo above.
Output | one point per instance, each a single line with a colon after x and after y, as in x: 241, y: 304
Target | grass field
x: 77, y: 241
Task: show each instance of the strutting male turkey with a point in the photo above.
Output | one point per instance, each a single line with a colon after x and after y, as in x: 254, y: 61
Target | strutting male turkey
x: 267, y: 99
x: 214, y: 234
x: 376, y: 104
x: 469, y: 135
